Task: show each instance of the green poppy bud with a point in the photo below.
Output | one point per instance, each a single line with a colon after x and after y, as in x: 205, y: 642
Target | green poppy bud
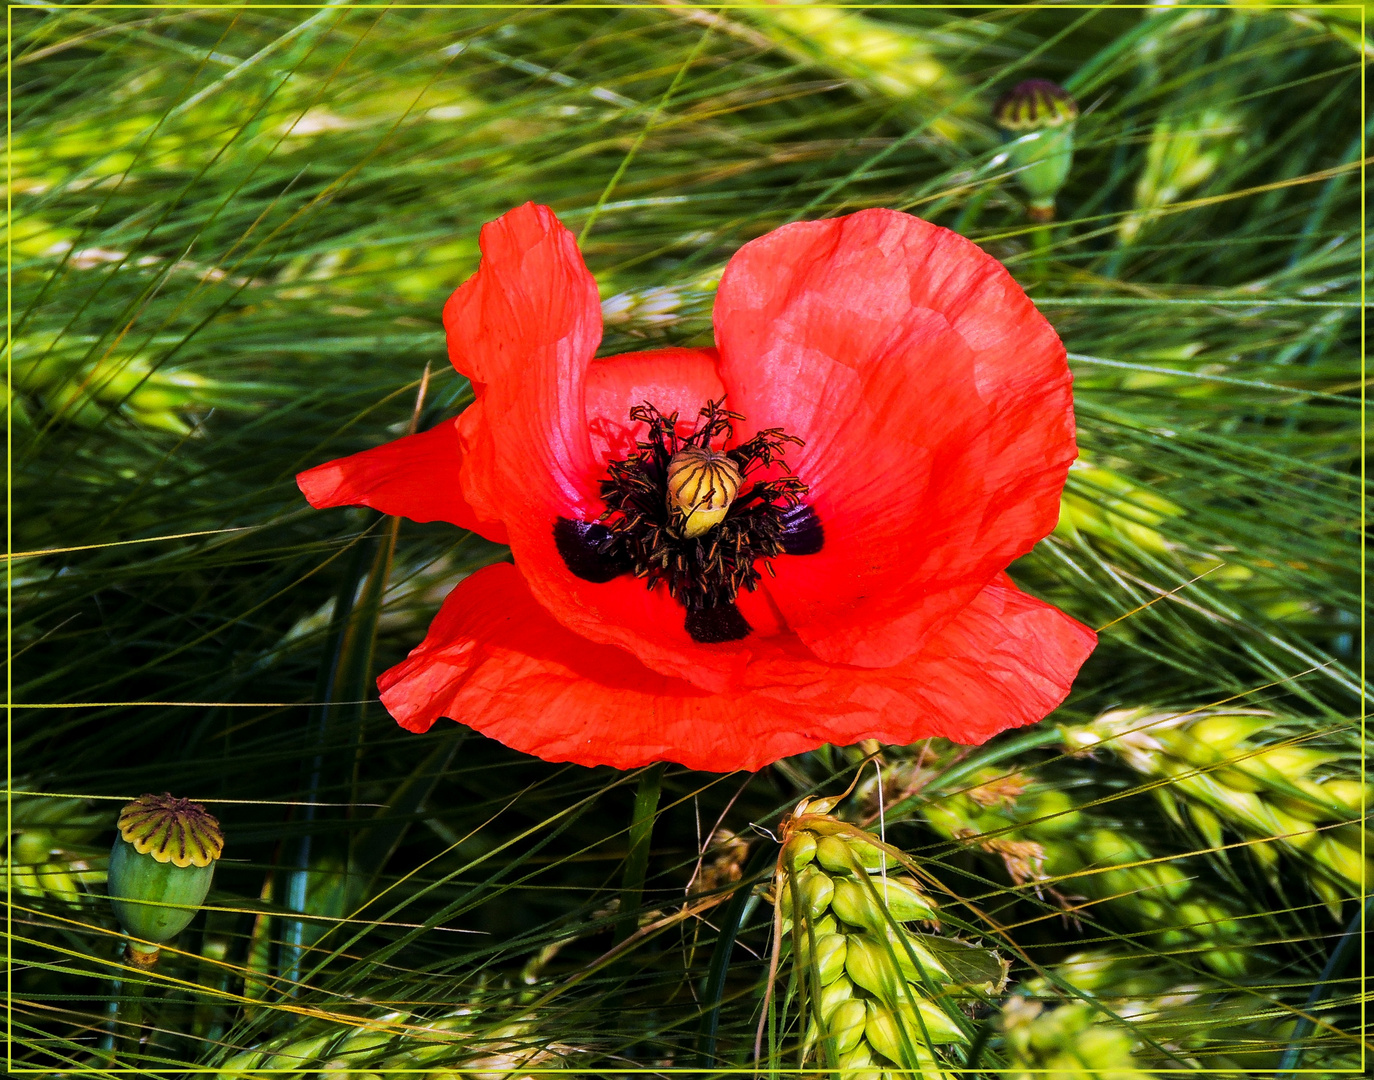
x: 1038, y: 118
x: 160, y: 869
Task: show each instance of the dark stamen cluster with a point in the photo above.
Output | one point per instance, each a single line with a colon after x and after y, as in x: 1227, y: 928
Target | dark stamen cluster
x: 640, y: 534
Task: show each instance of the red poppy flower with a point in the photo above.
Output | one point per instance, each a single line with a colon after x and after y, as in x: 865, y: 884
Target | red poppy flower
x: 724, y: 556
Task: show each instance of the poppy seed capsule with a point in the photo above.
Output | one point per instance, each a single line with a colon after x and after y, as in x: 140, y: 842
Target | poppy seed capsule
x: 702, y: 483
x: 1035, y: 104
x: 161, y: 866
x: 1038, y: 117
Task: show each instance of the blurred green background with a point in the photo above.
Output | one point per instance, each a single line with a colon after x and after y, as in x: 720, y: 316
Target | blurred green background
x: 232, y: 231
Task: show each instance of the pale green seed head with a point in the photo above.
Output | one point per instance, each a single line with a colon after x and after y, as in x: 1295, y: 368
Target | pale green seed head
x: 1034, y: 105
x: 702, y: 484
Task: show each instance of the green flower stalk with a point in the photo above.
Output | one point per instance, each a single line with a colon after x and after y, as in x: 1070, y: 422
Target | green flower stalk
x: 366, y: 1048
x: 48, y: 855
x: 161, y: 866
x: 1038, y: 119
x: 1071, y: 856
x: 1165, y: 1022
x: 882, y: 995
x: 1222, y: 776
x: 86, y: 393
x: 875, y: 56
x: 1184, y: 153
x: 1069, y: 1042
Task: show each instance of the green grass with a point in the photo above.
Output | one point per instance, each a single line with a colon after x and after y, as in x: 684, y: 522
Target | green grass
x: 232, y: 234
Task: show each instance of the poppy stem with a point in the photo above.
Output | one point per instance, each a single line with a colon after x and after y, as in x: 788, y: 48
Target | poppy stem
x: 637, y: 863
x: 127, y: 1017
x: 1041, y: 241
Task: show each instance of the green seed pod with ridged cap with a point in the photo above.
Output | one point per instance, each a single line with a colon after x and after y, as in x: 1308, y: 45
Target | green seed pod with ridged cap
x: 161, y: 866
x: 1038, y: 117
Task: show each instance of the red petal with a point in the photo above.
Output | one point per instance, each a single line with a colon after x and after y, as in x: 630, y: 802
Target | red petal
x: 672, y: 380
x: 936, y: 407
x: 524, y: 329
x: 1005, y: 661
x: 415, y: 477
x: 495, y: 660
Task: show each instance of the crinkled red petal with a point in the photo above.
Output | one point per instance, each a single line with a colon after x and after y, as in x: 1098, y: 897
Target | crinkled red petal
x: 936, y: 407
x: 495, y: 659
x: 416, y: 477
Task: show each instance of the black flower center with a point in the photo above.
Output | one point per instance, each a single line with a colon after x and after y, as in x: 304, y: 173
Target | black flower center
x: 646, y: 528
